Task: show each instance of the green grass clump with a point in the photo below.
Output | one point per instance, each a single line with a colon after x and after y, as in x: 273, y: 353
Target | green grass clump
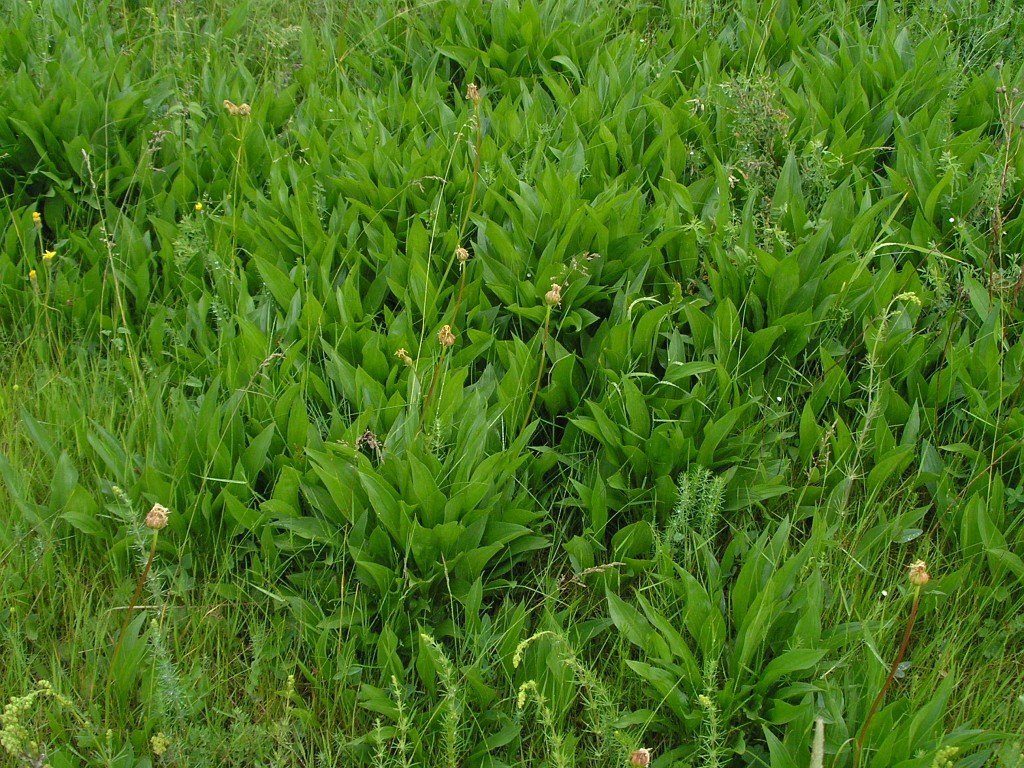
x: 528, y: 382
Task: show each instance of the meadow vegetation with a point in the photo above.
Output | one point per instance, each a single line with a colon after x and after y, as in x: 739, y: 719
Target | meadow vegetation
x: 529, y: 382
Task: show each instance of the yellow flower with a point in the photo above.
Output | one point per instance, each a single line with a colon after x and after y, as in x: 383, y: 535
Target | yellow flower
x: 48, y: 256
x: 32, y: 275
x: 199, y: 206
x: 159, y: 744
x: 37, y: 218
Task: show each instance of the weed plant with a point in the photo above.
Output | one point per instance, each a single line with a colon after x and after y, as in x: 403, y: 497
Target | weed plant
x: 528, y: 382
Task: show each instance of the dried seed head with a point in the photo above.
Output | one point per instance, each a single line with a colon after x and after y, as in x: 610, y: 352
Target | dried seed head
x: 553, y: 297
x: 461, y: 255
x: 403, y: 355
x: 237, y: 110
x: 157, y: 517
x: 445, y: 336
x: 919, y: 573
x: 1001, y: 89
x: 473, y: 93
x: 641, y: 758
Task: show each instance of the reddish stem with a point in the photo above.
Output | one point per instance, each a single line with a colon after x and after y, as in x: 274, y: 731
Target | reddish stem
x: 859, y: 747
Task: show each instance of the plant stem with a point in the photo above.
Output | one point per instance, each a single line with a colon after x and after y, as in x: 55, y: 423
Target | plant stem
x: 540, y: 369
x: 131, y: 606
x: 859, y: 746
x: 430, y: 391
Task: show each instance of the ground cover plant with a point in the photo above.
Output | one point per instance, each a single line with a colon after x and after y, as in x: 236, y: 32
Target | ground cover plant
x: 511, y: 383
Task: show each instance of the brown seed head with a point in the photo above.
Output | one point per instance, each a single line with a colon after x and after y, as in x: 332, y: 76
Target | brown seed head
x: 641, y: 758
x: 473, y: 93
x: 919, y: 573
x: 553, y: 297
x: 403, y: 355
x: 461, y: 255
x: 157, y: 517
x: 445, y: 336
x: 237, y: 110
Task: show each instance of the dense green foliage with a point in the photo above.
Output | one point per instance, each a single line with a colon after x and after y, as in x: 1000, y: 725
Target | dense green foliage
x: 734, y: 339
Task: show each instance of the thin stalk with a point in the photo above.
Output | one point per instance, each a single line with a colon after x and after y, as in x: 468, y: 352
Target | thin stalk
x: 131, y: 607
x: 859, y: 746
x: 430, y: 391
x: 540, y: 368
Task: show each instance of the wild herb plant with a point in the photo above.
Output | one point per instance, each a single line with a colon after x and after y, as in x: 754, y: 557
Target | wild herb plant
x: 661, y: 338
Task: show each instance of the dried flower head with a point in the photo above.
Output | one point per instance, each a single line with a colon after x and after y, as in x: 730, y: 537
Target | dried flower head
x: 237, y: 110
x: 446, y: 337
x: 919, y: 573
x: 553, y: 297
x: 368, y: 439
x: 473, y: 93
x: 403, y: 355
x: 157, y: 517
x: 461, y: 255
x: 641, y: 758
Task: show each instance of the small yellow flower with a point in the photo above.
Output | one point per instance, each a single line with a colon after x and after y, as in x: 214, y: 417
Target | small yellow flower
x: 159, y: 744
x: 48, y: 256
x: 199, y: 206
x: 37, y: 218
x: 32, y: 275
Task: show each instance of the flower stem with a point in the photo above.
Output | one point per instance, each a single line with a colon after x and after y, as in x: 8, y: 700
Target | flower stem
x: 540, y: 368
x: 131, y: 606
x: 859, y: 746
